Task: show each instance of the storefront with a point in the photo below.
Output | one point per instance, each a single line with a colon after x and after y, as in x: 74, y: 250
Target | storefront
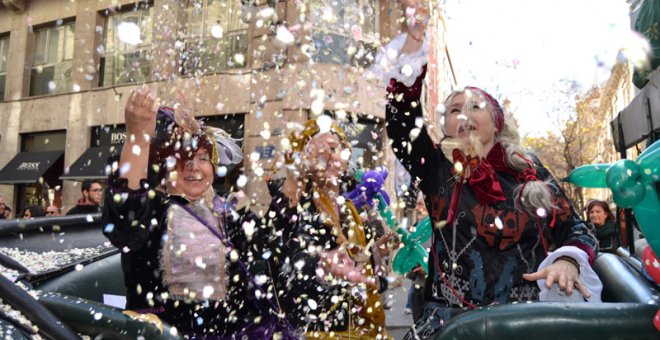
x: 36, y: 170
x: 93, y: 163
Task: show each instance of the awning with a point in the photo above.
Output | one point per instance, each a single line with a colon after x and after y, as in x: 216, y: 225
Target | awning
x: 92, y: 163
x: 27, y: 167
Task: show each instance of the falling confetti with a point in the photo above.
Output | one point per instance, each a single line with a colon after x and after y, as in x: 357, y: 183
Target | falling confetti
x: 129, y: 33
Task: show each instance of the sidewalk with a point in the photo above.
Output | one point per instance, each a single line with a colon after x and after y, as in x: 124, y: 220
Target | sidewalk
x: 397, y: 321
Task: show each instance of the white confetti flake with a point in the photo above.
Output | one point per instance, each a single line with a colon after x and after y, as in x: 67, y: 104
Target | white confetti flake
x: 241, y: 181
x: 345, y: 154
x: 217, y: 31
x: 325, y: 123
x: 312, y: 304
x: 540, y: 212
x: 233, y: 255
x: 129, y: 33
x: 79, y: 267
x: 221, y: 171
x: 239, y: 58
x: 284, y: 36
x: 98, y: 316
x: 207, y: 291
x: 136, y: 150
x: 498, y: 223
x: 248, y: 228
x: 407, y: 70
x: 317, y: 107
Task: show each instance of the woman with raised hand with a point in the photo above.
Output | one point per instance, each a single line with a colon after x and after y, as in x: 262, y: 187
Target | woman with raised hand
x: 184, y: 252
x: 496, y: 209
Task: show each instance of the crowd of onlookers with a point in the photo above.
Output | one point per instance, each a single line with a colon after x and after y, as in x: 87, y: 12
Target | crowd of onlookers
x: 90, y: 202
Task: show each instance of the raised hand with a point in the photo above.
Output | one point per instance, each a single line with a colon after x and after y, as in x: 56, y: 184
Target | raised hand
x: 139, y: 114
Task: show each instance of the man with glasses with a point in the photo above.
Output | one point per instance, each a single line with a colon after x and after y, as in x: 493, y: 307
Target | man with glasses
x: 92, y: 193
x: 53, y: 210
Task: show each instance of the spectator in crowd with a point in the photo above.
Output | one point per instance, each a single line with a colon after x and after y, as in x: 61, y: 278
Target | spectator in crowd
x: 90, y: 202
x: 601, y: 217
x: 33, y: 211
x: 53, y: 210
x: 3, y: 207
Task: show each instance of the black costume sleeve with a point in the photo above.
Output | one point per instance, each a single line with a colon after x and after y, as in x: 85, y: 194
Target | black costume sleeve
x: 567, y: 229
x: 419, y: 155
x: 130, y: 215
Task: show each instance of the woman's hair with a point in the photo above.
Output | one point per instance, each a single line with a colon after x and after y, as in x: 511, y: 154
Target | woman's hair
x: 604, y: 206
x: 35, y: 211
x: 532, y: 194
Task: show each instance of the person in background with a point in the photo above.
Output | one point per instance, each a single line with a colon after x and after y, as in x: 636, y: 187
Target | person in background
x: 53, y: 210
x: 415, y: 301
x: 33, y: 211
x: 601, y: 217
x: 7, y: 213
x: 90, y: 202
x: 3, y: 207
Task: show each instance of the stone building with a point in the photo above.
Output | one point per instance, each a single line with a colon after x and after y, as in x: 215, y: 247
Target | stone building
x: 253, y: 68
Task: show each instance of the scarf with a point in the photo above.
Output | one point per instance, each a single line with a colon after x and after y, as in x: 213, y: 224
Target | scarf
x: 481, y: 173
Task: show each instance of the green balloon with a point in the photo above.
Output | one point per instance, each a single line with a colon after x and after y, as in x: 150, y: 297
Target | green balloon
x: 423, y: 231
x: 623, y: 179
x: 410, y: 257
x: 647, y: 214
x: 649, y: 166
x: 589, y: 176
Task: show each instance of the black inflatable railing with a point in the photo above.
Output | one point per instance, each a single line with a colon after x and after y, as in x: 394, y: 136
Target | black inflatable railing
x: 102, y: 321
x: 49, y: 325
x: 19, y: 225
x: 555, y: 320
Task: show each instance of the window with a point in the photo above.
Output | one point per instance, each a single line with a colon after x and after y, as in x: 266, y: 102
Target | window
x: 216, y: 38
x: 125, y: 56
x: 51, y: 63
x: 4, y: 47
x: 345, y: 31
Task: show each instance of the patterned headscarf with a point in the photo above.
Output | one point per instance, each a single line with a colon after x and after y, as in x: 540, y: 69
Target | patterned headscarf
x: 497, y: 109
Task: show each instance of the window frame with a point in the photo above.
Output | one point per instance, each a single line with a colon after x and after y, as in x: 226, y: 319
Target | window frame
x: 194, y: 54
x: 121, y: 49
x: 61, y: 60
x: 4, y: 60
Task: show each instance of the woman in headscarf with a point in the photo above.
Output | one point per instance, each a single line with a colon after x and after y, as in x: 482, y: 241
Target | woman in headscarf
x: 185, y: 254
x: 496, y: 209
x: 328, y: 286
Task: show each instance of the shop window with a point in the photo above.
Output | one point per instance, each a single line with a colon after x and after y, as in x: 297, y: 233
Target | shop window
x: 47, y: 189
x: 216, y: 37
x: 125, y: 56
x: 52, y: 60
x: 4, y: 48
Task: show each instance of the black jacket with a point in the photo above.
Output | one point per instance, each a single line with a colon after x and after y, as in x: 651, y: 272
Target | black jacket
x: 485, y: 254
x: 138, y: 228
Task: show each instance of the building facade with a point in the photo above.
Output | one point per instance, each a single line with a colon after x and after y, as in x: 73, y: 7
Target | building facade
x: 67, y: 69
